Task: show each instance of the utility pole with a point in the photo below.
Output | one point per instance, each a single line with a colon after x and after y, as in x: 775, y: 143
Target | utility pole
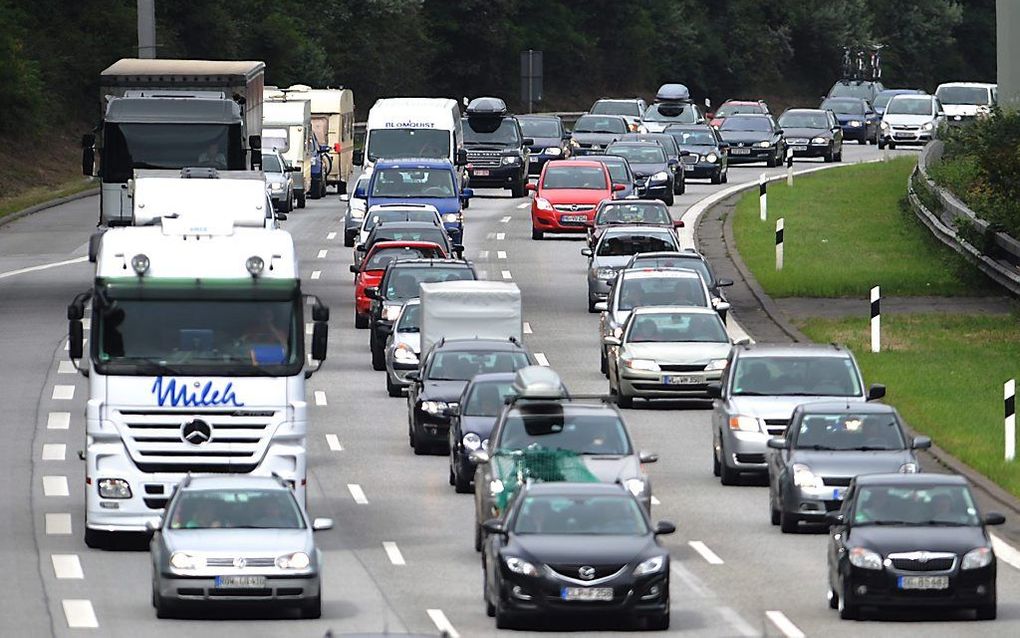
x: 147, y: 28
x: 1007, y: 25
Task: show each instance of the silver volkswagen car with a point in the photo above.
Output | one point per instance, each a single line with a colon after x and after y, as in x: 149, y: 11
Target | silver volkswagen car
x: 615, y: 248
x: 760, y: 387
x: 236, y: 538
x: 403, y: 347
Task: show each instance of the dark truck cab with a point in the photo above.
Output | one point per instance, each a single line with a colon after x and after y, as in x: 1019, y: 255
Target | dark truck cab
x: 497, y: 151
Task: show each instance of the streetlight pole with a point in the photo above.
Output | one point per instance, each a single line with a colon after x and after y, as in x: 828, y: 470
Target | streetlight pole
x: 147, y: 28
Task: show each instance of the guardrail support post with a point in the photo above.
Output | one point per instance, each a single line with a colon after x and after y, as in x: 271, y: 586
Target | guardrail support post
x: 779, y: 244
x: 876, y: 320
x: 1009, y: 401
x: 763, y: 202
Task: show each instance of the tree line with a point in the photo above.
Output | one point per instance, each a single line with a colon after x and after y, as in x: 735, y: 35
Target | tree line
x: 51, y: 51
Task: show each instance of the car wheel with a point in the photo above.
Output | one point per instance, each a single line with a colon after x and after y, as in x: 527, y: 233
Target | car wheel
x: 833, y: 598
x: 452, y: 479
x: 301, y: 200
x: 378, y: 357
x: 658, y: 622
x: 839, y: 155
x: 421, y: 448
x: 787, y: 522
x: 863, y: 141
x: 96, y: 539
x: 591, y: 305
x: 774, y: 514
x: 410, y: 433
x: 847, y: 611
x: 669, y: 199
x: 360, y: 321
x: 622, y: 399
x: 312, y: 608
x: 519, y: 189
x: 726, y: 176
x: 727, y: 475
x: 165, y: 608
x: 503, y: 618
x: 892, y: 146
x: 986, y: 612
x: 717, y: 177
x: 490, y: 609
x: 393, y: 389
x: 829, y: 156
x: 479, y: 535
x: 536, y: 234
x: 716, y: 466
x: 316, y: 191
x: 881, y: 144
x: 772, y: 161
x: 603, y: 362
x: 348, y: 241
x: 462, y: 484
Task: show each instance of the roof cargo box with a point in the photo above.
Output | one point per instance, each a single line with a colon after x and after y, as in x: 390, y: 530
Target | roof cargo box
x: 486, y: 107
x: 673, y: 93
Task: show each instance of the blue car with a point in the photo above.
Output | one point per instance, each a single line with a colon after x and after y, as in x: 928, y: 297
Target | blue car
x: 856, y: 117
x: 422, y: 181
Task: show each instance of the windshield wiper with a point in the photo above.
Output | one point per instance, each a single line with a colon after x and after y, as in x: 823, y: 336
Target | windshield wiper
x: 818, y: 447
x: 942, y: 523
x: 873, y: 448
x: 151, y: 366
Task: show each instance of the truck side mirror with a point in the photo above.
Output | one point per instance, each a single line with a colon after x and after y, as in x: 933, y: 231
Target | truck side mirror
x: 76, y: 338
x: 255, y: 142
x: 319, y: 340
x: 358, y: 157
x: 88, y: 155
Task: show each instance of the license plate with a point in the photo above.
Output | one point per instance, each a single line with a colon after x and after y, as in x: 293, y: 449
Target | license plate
x: 481, y: 172
x: 689, y: 167
x: 574, y: 218
x: 672, y: 379
x: 923, y: 582
x: 740, y: 151
x: 799, y: 148
x: 604, y: 594
x: 240, y: 582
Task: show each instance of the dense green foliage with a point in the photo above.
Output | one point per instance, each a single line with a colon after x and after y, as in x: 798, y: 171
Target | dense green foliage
x: 981, y: 165
x: 51, y: 51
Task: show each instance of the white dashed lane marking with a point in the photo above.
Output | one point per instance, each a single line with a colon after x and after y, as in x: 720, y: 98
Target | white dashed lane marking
x: 309, y: 328
x: 540, y: 357
x: 523, y: 206
x: 333, y: 441
x: 500, y: 236
x: 656, y: 501
x: 483, y: 254
x: 63, y: 392
x: 316, y: 274
x: 58, y: 421
x: 331, y: 235
x: 58, y: 524
x: 79, y: 614
x: 506, y: 274
x: 53, y: 451
x: 500, y: 254
x: 505, y: 219
x: 527, y: 328
x: 67, y: 567
x: 322, y: 253
x: 784, y: 624
x: 442, y: 623
x: 320, y: 397
x: 710, y: 557
x: 393, y: 553
x: 55, y: 486
x: 357, y: 494
x: 66, y: 367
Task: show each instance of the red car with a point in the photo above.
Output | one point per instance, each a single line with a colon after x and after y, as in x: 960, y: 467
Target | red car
x: 567, y: 194
x: 374, y: 265
x: 738, y: 107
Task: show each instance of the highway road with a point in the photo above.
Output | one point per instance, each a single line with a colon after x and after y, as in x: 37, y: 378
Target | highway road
x: 401, y: 557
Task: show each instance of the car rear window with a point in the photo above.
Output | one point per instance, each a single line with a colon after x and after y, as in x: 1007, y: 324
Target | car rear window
x: 382, y: 257
x: 459, y: 365
x: 796, y: 376
x: 624, y: 245
x: 661, y: 291
x: 583, y: 177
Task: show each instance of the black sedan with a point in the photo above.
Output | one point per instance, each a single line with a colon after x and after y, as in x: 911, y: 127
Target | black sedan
x: 813, y: 133
x: 576, y: 548
x: 826, y: 445
x: 754, y: 138
x: 619, y: 172
x: 593, y: 133
x: 708, y: 156
x: 673, y: 153
x: 550, y: 139
x: 654, y: 172
x: 471, y: 422
x: 911, y: 540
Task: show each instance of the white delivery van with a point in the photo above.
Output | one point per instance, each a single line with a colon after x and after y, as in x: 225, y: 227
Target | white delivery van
x: 236, y: 195
x: 287, y: 129
x: 418, y: 127
x: 467, y: 309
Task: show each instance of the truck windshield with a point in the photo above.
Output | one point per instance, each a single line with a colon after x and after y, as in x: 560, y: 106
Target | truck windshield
x: 131, y: 146
x: 505, y: 134
x: 408, y: 142
x: 203, y: 336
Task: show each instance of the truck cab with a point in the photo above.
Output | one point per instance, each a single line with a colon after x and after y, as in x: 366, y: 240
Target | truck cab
x: 420, y: 127
x: 497, y: 151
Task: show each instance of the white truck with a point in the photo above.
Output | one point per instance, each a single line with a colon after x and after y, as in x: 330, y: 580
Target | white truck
x: 236, y: 195
x: 287, y: 129
x: 170, y: 114
x: 333, y: 125
x: 420, y: 127
x: 196, y: 363
x: 468, y: 309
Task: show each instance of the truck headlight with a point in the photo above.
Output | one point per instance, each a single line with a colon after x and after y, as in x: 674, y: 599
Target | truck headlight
x: 646, y: 365
x: 181, y: 560
x: 553, y: 150
x: 745, y: 424
x: 511, y: 159
x: 297, y: 560
x: 650, y: 566
x: 404, y: 354
x: 865, y: 558
x: 434, y: 407
x: 661, y: 176
x: 472, y: 441
x: 391, y: 312
x: 977, y: 558
x: 114, y: 488
x: 804, y: 477
x: 715, y: 364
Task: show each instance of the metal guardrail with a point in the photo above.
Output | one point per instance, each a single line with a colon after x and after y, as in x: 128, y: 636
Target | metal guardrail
x: 958, y: 227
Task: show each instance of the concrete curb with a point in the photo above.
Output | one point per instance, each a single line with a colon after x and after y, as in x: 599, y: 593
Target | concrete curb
x: 25, y: 212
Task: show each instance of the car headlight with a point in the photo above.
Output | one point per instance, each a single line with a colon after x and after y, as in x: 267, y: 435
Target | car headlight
x: 180, y: 560
x: 605, y: 273
x: 745, y: 424
x: 804, y: 477
x: 553, y: 150
x: 716, y: 364
x: 543, y: 204
x: 297, y: 560
x: 650, y: 566
x: 855, y: 123
x: 711, y: 158
x: 909, y: 468
x: 764, y: 144
x: 511, y: 159
x: 646, y: 365
x: 927, y: 126
x: 635, y: 486
x: 661, y: 176
x: 404, y: 354
x: 434, y: 407
x: 819, y: 140
x: 977, y: 558
x: 114, y: 488
x: 391, y: 312
x: 520, y: 566
x: 865, y: 558
x: 472, y: 441
x: 276, y: 186
x: 357, y: 212
x: 453, y: 218
x: 885, y: 125
x: 495, y: 487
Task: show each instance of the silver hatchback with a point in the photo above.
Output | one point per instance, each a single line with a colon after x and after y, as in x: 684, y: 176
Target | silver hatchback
x: 236, y: 538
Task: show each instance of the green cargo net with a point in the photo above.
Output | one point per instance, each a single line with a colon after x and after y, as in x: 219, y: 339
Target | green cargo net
x: 515, y: 467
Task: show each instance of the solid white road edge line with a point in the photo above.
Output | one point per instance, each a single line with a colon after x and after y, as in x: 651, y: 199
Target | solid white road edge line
x: 393, y: 553
x: 53, y: 451
x: 320, y: 397
x: 710, y: 557
x: 79, y: 614
x: 357, y: 494
x: 58, y: 524
x: 67, y: 566
x: 316, y: 274
x: 333, y: 441
x: 1005, y: 551
x: 58, y: 421
x: 784, y: 624
x: 692, y: 582
x: 441, y: 622
x: 734, y: 619
x: 63, y: 392
x: 540, y: 357
x: 22, y: 271
x: 55, y: 486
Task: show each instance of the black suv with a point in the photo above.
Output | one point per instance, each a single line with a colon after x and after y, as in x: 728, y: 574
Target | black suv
x: 440, y: 380
x: 399, y: 283
x: 498, y: 153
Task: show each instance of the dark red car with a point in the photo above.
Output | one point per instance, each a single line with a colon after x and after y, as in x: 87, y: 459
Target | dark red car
x: 567, y: 194
x: 374, y: 265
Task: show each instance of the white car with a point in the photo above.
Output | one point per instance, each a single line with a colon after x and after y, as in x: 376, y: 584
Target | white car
x: 910, y: 119
x: 355, y: 213
x: 967, y: 100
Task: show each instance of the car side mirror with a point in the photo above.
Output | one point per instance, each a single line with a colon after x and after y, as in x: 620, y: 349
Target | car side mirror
x: 721, y: 306
x: 663, y: 528
x: 678, y: 223
x: 618, y: 187
x: 586, y: 252
x: 921, y: 443
x: 154, y: 525
x: 779, y: 131
x: 940, y: 114
x: 601, y: 306
x: 528, y: 141
x: 876, y: 391
x: 321, y: 524
x: 320, y: 341
x: 531, y: 187
x: 672, y: 163
x: 413, y: 375
x: 372, y: 292
x: 494, y: 526
x: 479, y: 456
x: 714, y: 390
x: 994, y: 518
x: 722, y: 283
x: 467, y: 193
x: 354, y: 269
x: 360, y: 248
x: 834, y: 518
x: 777, y: 443
x: 685, y: 153
x: 742, y: 342
x: 292, y: 169
x: 453, y: 410
x: 610, y: 340
x: 648, y: 457
x: 344, y: 197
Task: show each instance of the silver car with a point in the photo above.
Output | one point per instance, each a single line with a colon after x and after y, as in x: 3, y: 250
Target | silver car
x: 760, y: 387
x: 615, y: 248
x: 279, y: 182
x: 669, y: 352
x: 236, y: 538
x: 403, y: 347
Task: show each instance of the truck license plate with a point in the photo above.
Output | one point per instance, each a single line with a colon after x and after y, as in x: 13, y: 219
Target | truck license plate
x: 672, y: 379
x: 240, y: 582
x: 923, y: 582
x: 604, y: 594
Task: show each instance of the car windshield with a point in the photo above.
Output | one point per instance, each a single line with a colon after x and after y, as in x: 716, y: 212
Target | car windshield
x: 236, y: 508
x: 585, y: 515
x: 550, y: 426
x: 633, y: 243
x: 410, y: 318
x: 844, y: 107
x: 661, y: 291
x: 639, y: 154
x: 863, y: 91
x: 693, y: 138
x: 963, y: 95
x: 403, y: 281
x: 922, y: 505
x: 599, y: 124
x: 727, y: 110
x: 271, y: 163
x: 883, y: 98
x: 804, y: 120
x: 676, y: 327
x: 618, y: 169
x: 537, y: 127
x: 433, y: 235
x: 462, y: 365
x: 671, y: 112
x: 390, y: 143
x: 405, y: 215
x: 743, y: 123
x: 629, y: 108
x: 487, y: 398
x: 583, y: 177
x: 849, y: 431
x: 413, y: 182
x: 696, y: 264
x: 481, y: 132
x: 796, y: 376
x: 911, y: 106
x: 633, y: 213
x: 382, y: 257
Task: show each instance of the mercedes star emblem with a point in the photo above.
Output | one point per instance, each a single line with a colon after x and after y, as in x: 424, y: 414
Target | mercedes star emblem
x: 587, y: 572
x: 196, y: 432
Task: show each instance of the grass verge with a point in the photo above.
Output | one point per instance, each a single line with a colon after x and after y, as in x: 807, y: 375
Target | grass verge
x: 42, y: 194
x: 845, y: 231
x: 945, y: 375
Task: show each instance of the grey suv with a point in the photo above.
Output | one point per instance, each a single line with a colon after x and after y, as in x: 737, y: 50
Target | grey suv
x: 761, y: 386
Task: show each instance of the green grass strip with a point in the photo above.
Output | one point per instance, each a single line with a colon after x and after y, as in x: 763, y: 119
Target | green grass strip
x: 42, y: 194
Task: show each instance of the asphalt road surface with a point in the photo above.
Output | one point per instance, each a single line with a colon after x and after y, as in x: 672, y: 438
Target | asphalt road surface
x: 401, y: 557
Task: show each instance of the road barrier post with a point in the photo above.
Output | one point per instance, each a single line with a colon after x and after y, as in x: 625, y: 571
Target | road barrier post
x: 763, y: 203
x: 1009, y: 400
x: 876, y: 320
x: 779, y: 244
x: 789, y: 166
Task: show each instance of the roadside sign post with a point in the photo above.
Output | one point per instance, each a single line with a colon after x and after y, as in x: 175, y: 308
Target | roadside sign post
x: 876, y: 320
x: 1009, y: 401
x: 531, y: 77
x: 763, y: 203
x: 779, y: 244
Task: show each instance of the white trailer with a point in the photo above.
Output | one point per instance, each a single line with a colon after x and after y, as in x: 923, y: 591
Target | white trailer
x: 287, y: 129
x: 333, y: 124
x: 467, y: 309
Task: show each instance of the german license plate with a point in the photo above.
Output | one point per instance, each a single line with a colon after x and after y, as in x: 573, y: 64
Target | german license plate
x: 481, y: 172
x: 799, y: 148
x: 240, y: 582
x: 574, y: 218
x: 740, y: 151
x: 689, y: 167
x: 673, y: 379
x: 603, y: 594
x: 923, y: 582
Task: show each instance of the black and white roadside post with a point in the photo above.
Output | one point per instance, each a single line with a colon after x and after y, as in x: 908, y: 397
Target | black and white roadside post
x: 876, y: 321
x: 1009, y: 396
x: 789, y: 166
x: 763, y: 198
x: 779, y: 244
